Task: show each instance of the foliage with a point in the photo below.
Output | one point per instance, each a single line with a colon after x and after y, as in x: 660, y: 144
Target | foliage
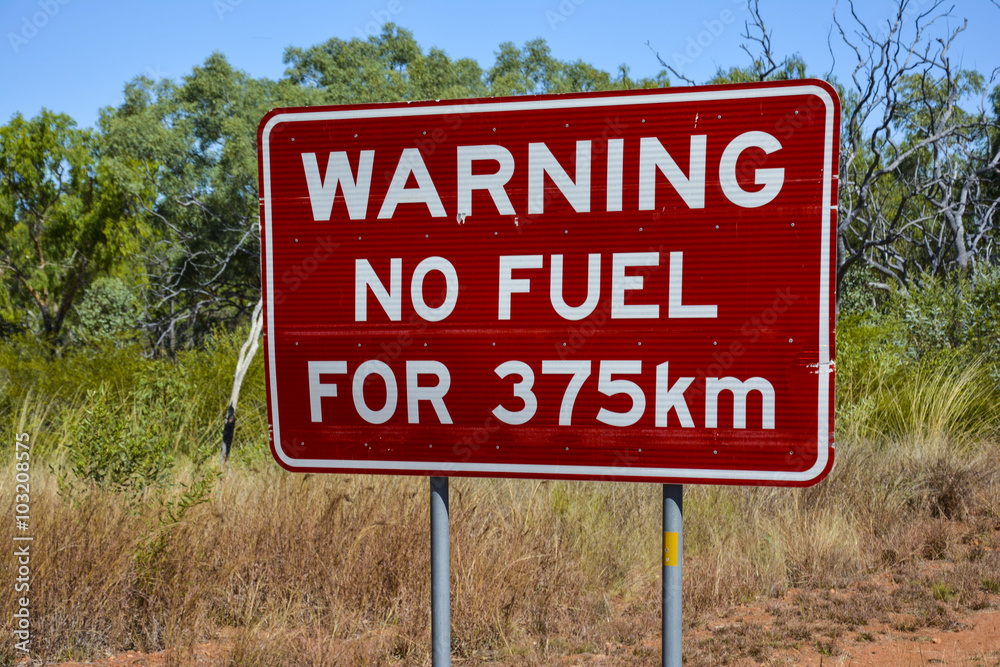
x: 65, y: 218
x: 117, y: 449
x: 196, y: 144
x: 155, y: 549
x: 532, y: 70
x: 108, y: 311
x: 953, y: 314
x: 387, y: 67
x: 29, y: 365
x: 791, y: 68
x: 392, y: 67
x: 923, y: 365
x: 179, y: 402
x: 860, y: 291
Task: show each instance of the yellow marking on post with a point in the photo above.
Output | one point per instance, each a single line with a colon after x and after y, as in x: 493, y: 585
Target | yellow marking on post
x: 670, y: 550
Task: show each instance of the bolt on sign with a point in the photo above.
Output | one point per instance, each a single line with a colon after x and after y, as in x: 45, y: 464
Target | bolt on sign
x: 621, y: 285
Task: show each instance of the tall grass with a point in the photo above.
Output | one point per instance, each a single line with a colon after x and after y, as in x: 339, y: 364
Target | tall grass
x: 339, y: 566
x: 929, y: 405
x: 185, y: 399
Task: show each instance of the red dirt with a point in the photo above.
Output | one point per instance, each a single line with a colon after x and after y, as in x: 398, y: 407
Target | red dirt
x: 978, y: 644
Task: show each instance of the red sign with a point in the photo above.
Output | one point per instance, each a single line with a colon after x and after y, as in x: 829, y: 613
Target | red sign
x: 624, y: 285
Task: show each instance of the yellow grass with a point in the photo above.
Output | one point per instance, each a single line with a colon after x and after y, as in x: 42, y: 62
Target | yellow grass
x: 330, y: 569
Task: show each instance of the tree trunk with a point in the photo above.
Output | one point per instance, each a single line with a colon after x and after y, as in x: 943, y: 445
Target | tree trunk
x: 242, y: 364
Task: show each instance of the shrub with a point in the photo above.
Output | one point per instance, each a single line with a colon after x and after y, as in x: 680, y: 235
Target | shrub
x: 959, y: 314
x: 926, y: 365
x: 117, y: 450
x: 108, y: 311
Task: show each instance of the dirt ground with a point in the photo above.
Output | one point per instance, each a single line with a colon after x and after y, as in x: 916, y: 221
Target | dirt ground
x: 974, y: 642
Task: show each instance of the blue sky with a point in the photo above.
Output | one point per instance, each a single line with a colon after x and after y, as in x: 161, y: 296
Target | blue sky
x: 74, y: 56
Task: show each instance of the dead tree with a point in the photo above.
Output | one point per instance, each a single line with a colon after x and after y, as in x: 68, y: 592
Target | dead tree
x: 914, y: 164
x: 247, y: 353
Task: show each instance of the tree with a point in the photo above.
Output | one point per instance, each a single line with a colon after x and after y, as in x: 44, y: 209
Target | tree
x: 533, y: 71
x: 388, y: 67
x: 914, y: 163
x: 65, y: 218
x: 391, y: 67
x: 196, y: 146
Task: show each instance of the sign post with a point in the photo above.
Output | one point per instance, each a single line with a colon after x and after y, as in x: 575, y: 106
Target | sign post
x: 673, y: 569
x: 440, y: 575
x: 620, y: 286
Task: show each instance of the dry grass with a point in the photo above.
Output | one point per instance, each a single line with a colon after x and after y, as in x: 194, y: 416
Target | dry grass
x: 292, y: 569
x: 328, y: 569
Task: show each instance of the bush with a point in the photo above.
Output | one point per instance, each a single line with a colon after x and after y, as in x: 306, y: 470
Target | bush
x: 860, y: 292
x: 108, y: 311
x: 960, y: 314
x: 44, y: 390
x: 118, y: 449
x: 925, y: 366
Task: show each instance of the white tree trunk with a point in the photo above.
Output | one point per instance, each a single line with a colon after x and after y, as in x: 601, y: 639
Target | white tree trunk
x: 247, y: 353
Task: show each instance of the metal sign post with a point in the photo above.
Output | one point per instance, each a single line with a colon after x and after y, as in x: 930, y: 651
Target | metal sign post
x: 673, y: 568
x: 440, y: 578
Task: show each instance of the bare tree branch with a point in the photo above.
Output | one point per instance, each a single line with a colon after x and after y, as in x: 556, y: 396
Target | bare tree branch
x: 913, y: 161
x: 669, y: 68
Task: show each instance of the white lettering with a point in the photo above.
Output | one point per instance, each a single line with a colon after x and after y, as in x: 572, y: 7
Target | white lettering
x: 446, y: 268
x: 713, y: 386
x: 435, y: 394
x: 509, y: 285
x: 365, y: 277
x: 671, y: 398
x: 317, y: 390
x: 771, y: 179
x: 653, y: 156
x: 610, y: 387
x: 616, y: 162
x: 338, y: 171
x: 676, y: 308
x: 410, y: 162
x: 374, y: 367
x: 620, y: 283
x: 541, y: 162
x: 593, y: 288
x: 493, y: 183
x: 580, y: 370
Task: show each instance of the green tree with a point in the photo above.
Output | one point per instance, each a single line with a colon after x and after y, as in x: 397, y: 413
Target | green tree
x: 108, y: 311
x: 533, y: 70
x: 792, y: 67
x: 195, y: 142
x: 65, y: 219
x: 388, y: 67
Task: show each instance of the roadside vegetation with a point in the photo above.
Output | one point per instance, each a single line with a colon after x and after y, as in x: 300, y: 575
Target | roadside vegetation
x: 144, y: 543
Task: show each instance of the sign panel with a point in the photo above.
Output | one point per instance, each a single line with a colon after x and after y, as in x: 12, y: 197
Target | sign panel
x: 623, y: 286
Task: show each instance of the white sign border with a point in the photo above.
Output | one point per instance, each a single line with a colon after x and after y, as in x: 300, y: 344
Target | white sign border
x: 823, y: 368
